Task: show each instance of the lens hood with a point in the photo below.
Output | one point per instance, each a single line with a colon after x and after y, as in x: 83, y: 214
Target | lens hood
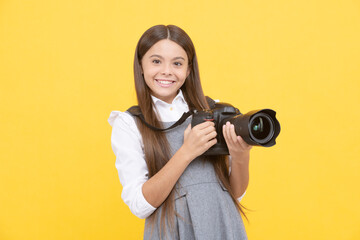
x: 248, y: 125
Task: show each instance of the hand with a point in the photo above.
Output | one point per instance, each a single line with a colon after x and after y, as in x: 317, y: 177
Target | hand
x: 199, y: 139
x: 238, y: 148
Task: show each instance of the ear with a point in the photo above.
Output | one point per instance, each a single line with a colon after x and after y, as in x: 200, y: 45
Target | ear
x: 188, y: 72
x: 141, y: 67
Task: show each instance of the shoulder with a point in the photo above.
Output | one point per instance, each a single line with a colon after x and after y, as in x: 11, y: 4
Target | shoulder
x: 124, y: 127
x: 120, y: 117
x: 123, y: 120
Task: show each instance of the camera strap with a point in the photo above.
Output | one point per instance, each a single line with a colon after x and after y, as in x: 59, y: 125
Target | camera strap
x: 136, y: 111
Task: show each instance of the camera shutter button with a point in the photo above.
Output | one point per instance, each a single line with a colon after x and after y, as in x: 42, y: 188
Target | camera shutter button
x: 209, y: 117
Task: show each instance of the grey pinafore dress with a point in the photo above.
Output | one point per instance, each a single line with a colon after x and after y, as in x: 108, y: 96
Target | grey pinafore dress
x: 205, y: 208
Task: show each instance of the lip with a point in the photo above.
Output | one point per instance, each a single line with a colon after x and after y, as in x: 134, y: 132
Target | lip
x: 161, y: 82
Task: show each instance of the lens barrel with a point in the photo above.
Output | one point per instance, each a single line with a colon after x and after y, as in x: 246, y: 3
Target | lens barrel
x: 258, y: 127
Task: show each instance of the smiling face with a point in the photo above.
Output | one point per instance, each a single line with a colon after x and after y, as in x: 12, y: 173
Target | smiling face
x: 165, y: 68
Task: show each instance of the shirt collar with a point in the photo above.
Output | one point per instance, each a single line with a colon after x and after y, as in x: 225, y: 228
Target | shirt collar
x: 178, y: 97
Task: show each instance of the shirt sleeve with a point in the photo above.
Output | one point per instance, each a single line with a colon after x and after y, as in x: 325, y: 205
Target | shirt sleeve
x: 126, y: 142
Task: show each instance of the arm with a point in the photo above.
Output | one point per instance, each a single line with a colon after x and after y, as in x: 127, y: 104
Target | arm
x: 130, y: 163
x: 240, y: 154
x: 196, y: 141
x: 141, y: 194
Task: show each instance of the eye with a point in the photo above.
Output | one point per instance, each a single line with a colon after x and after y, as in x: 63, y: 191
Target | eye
x: 178, y: 64
x: 156, y: 61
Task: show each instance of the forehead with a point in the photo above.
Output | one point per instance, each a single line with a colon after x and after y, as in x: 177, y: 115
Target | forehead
x: 166, y: 48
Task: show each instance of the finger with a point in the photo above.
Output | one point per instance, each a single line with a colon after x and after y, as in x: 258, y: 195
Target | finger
x: 208, y: 130
x: 187, y: 131
x: 225, y: 133
x: 211, y: 135
x: 232, y: 133
x: 188, y: 128
x: 211, y: 143
x: 204, y: 125
x: 228, y: 133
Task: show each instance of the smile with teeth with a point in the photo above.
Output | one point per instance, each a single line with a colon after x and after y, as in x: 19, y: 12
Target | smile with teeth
x: 164, y: 83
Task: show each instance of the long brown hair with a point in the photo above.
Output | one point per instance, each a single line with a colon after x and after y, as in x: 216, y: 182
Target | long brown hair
x: 156, y: 146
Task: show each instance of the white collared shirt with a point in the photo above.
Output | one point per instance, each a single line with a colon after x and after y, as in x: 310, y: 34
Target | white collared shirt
x: 127, y: 144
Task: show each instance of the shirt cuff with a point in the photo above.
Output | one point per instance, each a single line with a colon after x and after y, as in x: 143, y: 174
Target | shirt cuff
x: 140, y: 207
x: 239, y: 199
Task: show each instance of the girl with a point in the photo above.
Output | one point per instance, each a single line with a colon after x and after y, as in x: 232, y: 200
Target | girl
x: 165, y: 178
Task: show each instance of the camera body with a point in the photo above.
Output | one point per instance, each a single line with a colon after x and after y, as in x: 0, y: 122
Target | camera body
x: 257, y: 128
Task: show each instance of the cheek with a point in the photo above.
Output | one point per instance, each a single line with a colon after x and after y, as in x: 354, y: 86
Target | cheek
x: 182, y: 75
x: 148, y: 80
x: 149, y: 73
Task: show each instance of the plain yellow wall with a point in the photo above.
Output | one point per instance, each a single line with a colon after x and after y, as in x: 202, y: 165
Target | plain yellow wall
x: 65, y: 65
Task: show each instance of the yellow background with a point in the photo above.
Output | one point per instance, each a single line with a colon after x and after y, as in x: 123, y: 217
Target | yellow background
x: 65, y: 65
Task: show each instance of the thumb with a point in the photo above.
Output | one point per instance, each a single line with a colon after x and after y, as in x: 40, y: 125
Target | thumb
x: 187, y: 130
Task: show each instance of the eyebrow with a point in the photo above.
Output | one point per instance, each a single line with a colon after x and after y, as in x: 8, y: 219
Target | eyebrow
x: 175, y: 58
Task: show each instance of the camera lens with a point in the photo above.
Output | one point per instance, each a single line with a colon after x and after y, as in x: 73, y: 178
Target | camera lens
x: 258, y: 127
x: 261, y: 128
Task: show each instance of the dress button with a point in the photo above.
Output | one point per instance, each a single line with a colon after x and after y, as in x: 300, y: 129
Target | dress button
x: 171, y: 108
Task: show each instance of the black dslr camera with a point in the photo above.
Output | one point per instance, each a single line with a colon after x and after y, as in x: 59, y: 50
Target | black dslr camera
x: 257, y: 128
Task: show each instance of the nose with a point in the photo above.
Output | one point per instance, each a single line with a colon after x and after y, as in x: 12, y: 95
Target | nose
x: 166, y: 70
